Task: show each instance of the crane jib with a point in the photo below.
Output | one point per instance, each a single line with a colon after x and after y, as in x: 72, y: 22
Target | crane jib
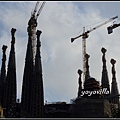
x: 94, y: 28
x: 115, y: 17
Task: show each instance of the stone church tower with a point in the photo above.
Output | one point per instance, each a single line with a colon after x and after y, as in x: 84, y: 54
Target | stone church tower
x: 104, y: 79
x: 37, y: 104
x: 114, y: 87
x: 3, y: 77
x: 32, y: 99
x: 27, y: 79
x: 11, y: 86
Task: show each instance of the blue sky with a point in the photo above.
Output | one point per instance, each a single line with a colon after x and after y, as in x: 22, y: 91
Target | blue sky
x: 59, y: 21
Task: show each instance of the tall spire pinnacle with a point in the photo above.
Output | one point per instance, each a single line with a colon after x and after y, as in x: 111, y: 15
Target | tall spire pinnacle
x: 114, y: 87
x: 31, y: 29
x: 104, y: 80
x: 3, y: 77
x: 113, y: 69
x: 38, y: 93
x: 38, y: 33
x: 79, y: 82
x: 3, y: 68
x: 87, y: 75
x: 27, y: 79
x: 11, y: 78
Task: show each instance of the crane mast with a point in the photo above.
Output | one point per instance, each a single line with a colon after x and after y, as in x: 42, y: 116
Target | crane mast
x: 32, y: 24
x: 85, y: 35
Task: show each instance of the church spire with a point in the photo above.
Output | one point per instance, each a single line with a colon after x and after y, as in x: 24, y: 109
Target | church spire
x: 11, y: 79
x: 3, y: 68
x: 27, y: 79
x: 114, y: 87
x: 104, y: 80
x: 80, y: 83
x: 38, y: 93
x: 3, y: 77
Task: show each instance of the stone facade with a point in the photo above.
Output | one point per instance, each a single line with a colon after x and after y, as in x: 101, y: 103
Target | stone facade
x: 91, y: 108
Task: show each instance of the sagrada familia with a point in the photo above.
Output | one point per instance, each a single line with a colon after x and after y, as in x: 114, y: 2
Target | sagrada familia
x: 94, y: 99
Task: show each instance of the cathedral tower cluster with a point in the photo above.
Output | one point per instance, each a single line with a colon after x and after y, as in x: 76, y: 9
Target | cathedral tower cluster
x: 32, y: 99
x: 89, y: 85
x: 90, y: 94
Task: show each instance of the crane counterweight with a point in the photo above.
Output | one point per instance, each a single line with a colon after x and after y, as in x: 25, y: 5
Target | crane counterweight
x: 110, y: 28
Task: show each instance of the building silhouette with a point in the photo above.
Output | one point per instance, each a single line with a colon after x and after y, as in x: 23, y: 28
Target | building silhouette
x: 94, y: 99
x: 11, y: 86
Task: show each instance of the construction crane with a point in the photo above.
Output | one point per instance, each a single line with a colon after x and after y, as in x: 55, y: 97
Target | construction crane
x: 32, y: 24
x: 85, y: 35
x: 110, y: 28
x: 40, y: 9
